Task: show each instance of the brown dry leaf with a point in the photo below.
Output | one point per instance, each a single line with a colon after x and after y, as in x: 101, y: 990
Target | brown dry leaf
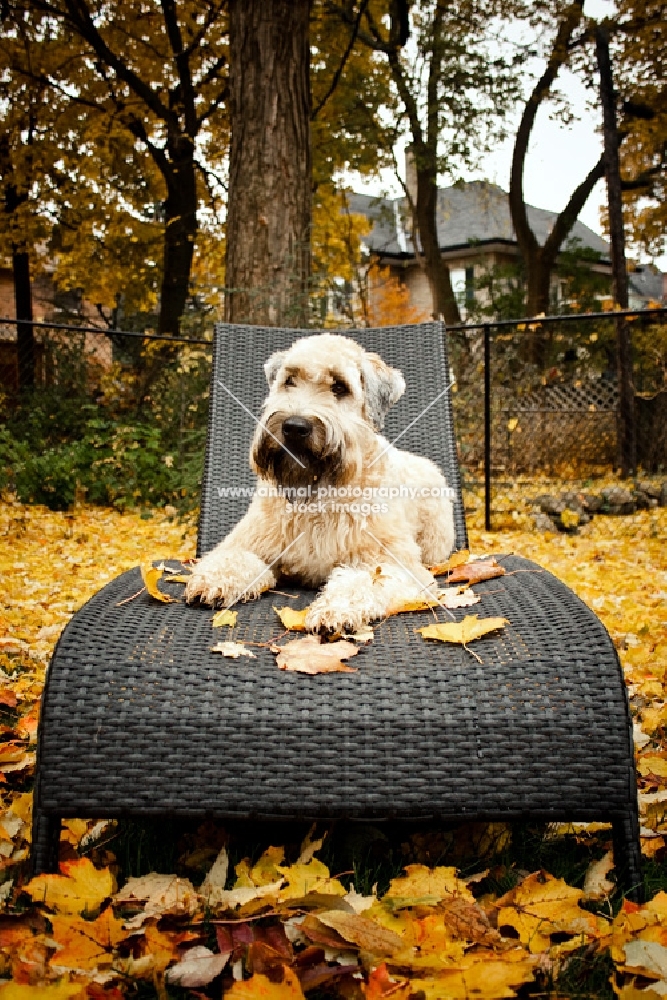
x: 456, y: 559
x: 472, y: 627
x: 150, y: 575
x: 365, y: 933
x: 294, y: 621
x: 596, y: 883
x: 233, y: 650
x: 475, y: 572
x: 159, y: 896
x: 310, y: 656
x: 225, y: 617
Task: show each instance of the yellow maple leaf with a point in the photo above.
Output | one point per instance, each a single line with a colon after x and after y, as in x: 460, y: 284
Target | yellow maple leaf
x: 225, y: 617
x: 293, y: 620
x: 86, y: 944
x: 311, y: 877
x: 150, y: 575
x: 260, y: 987
x: 543, y: 905
x: 62, y: 990
x: 423, y: 886
x: 80, y: 888
x: 472, y: 627
x: 481, y: 974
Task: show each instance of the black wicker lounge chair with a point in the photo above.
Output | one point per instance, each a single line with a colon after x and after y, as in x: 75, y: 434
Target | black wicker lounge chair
x: 139, y: 718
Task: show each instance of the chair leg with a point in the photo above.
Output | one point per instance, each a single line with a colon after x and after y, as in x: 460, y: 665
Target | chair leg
x: 627, y: 856
x: 45, y: 843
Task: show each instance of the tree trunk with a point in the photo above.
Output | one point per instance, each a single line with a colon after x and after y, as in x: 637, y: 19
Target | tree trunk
x: 269, y: 206
x: 437, y: 272
x: 179, y: 238
x: 627, y: 436
x: 25, y: 334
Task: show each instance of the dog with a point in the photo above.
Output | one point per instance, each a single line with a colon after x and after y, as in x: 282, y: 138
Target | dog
x: 319, y: 437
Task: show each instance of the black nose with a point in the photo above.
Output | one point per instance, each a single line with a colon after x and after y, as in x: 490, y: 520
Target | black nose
x: 297, y: 428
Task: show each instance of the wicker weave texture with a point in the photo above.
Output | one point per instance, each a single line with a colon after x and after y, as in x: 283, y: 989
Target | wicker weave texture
x: 421, y: 420
x: 140, y: 717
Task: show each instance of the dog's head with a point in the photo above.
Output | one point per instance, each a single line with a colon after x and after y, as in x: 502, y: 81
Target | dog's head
x: 327, y: 401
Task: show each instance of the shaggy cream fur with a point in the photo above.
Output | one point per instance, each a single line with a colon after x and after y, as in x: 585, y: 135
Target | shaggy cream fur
x: 320, y: 430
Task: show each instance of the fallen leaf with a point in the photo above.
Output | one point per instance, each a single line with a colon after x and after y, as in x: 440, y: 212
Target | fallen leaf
x: 80, y: 888
x: 233, y: 650
x: 225, y: 617
x: 216, y: 877
x: 198, y: 967
x: 86, y: 944
x: 475, y: 572
x: 472, y: 627
x: 159, y: 895
x: 53, y: 991
x: 259, y: 987
x: 365, y: 933
x: 380, y: 985
x: 454, y: 597
x: 150, y: 575
x: 569, y: 518
x: 310, y: 656
x: 456, y: 559
x: 363, y: 635
x: 596, y: 884
x: 293, y: 620
x: 423, y: 886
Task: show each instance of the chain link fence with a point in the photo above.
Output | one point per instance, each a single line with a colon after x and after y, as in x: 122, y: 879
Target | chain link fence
x: 119, y: 417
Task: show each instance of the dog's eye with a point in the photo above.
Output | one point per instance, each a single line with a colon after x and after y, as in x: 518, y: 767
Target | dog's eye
x: 289, y: 382
x: 340, y: 388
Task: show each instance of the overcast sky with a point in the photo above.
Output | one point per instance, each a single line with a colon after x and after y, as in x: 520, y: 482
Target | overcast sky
x: 559, y: 157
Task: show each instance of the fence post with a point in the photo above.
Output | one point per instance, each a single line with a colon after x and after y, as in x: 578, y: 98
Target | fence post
x: 487, y: 427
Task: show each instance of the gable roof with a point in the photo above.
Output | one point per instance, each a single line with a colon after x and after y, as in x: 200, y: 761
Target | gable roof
x: 470, y: 212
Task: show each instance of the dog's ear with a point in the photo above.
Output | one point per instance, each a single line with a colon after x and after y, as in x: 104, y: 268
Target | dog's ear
x: 272, y: 366
x: 383, y: 386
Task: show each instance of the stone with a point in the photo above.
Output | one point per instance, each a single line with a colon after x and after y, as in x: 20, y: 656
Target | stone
x: 592, y: 502
x: 542, y: 522
x: 663, y: 495
x: 642, y: 500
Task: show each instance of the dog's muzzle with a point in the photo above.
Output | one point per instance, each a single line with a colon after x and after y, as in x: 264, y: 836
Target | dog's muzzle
x: 294, y: 450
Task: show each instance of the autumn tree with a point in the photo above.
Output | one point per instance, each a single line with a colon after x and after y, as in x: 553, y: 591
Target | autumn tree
x: 540, y: 260
x: 31, y: 112
x: 640, y: 77
x: 158, y: 72
x: 451, y: 96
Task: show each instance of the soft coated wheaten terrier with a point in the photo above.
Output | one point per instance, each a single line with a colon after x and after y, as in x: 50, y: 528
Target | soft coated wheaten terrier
x: 336, y: 506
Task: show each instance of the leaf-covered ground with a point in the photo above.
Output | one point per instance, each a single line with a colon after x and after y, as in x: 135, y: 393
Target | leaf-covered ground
x: 274, y: 922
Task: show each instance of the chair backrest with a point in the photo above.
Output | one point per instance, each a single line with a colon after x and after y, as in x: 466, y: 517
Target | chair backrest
x: 421, y: 421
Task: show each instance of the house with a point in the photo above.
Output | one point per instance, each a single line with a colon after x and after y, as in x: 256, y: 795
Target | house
x: 49, y: 305
x: 475, y: 233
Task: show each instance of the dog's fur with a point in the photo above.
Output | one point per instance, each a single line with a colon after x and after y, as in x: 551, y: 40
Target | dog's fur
x: 364, y: 564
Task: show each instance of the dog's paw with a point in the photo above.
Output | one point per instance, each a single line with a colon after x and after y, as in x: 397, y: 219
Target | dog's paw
x: 327, y: 615
x: 227, y: 577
